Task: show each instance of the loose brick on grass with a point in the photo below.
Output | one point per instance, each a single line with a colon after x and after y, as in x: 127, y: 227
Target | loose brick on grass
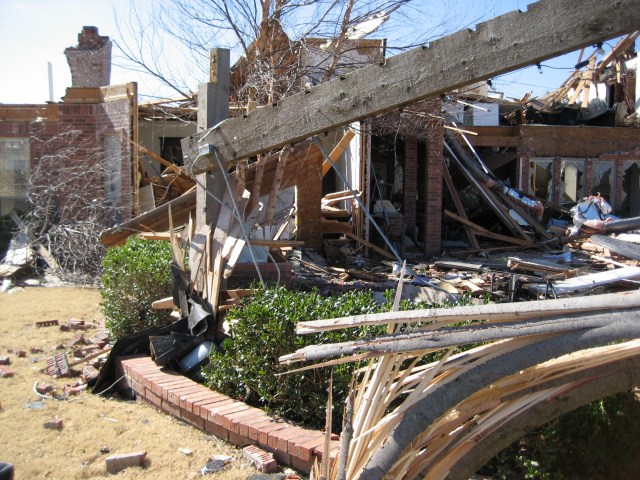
x: 261, y: 460
x: 116, y: 463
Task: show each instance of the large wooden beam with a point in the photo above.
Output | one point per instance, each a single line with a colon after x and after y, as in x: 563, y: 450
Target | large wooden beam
x: 548, y: 28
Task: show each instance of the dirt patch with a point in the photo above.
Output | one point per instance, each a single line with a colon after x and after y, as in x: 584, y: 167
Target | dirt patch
x: 91, y: 423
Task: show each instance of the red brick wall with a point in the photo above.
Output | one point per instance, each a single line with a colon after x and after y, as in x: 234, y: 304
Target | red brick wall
x: 71, y: 137
x: 410, y: 183
x: 433, y: 188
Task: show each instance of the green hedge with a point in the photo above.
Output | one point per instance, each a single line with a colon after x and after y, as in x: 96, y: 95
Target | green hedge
x: 597, y: 441
x: 135, y: 275
x: 262, y: 330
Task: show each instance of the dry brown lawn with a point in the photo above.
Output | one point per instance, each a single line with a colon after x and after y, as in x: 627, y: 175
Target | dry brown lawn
x: 90, y: 422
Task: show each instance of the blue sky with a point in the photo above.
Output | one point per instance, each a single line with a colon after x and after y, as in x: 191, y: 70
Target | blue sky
x: 34, y: 32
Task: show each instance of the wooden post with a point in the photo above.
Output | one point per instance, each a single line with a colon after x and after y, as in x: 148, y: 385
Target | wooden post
x: 213, y: 107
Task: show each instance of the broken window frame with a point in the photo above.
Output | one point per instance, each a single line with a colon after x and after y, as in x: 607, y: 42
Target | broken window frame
x: 580, y: 188
x: 598, y: 169
x: 544, y: 164
x: 630, y: 199
x: 15, y: 154
x: 113, y: 156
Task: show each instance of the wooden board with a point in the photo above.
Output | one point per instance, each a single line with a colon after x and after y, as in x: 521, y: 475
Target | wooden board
x: 621, y: 247
x: 591, y: 280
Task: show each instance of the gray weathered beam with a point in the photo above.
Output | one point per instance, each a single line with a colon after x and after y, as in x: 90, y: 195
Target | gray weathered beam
x: 547, y: 29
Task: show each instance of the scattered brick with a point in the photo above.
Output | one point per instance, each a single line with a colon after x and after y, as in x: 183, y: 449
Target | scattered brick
x: 5, y: 361
x: 116, y: 463
x: 46, y: 323
x: 73, y: 390
x: 58, y: 366
x: 44, y: 389
x: 74, y: 324
x: 36, y: 350
x: 78, y: 353
x: 89, y: 373
x: 54, y: 424
x: 77, y: 340
x: 6, y: 371
x: 16, y: 351
x: 91, y: 349
x: 263, y: 461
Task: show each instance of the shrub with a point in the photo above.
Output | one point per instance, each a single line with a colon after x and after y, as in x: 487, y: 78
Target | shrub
x: 135, y: 274
x: 598, y: 440
x: 262, y: 330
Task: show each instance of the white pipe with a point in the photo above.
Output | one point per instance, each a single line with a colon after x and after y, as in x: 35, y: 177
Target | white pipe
x: 50, y: 68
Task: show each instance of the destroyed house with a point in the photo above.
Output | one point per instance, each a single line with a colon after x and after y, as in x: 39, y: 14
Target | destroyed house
x: 396, y: 170
x: 75, y: 143
x: 98, y: 142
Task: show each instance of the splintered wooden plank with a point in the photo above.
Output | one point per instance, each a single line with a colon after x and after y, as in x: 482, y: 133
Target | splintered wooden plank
x: 275, y: 187
x: 547, y: 29
x: 621, y: 247
x: 218, y: 240
x: 368, y: 244
x: 478, y: 230
x: 591, y: 280
x: 337, y: 151
x: 257, y: 183
x: 497, y: 312
x: 458, y: 203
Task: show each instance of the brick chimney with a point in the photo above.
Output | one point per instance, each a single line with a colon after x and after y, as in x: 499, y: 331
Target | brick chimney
x: 90, y: 61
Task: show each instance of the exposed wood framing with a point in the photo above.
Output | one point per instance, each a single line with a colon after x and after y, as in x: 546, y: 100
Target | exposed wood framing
x: 548, y: 28
x: 458, y: 203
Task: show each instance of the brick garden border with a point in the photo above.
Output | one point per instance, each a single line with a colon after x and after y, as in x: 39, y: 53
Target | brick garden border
x: 222, y: 416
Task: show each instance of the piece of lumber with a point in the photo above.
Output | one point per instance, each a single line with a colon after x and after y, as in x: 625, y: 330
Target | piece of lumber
x: 500, y: 45
x: 338, y: 150
x: 585, y: 282
x: 544, y: 268
x: 422, y: 340
x: 458, y: 203
x: 154, y: 156
x: 342, y: 194
x: 462, y: 266
x: 47, y: 257
x: 478, y: 230
x: 276, y: 243
x: 621, y: 247
x: 333, y: 226
x: 474, y: 174
x: 163, y: 304
x: 368, y: 244
x: 275, y: 187
x: 155, y: 220
x: 333, y: 213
